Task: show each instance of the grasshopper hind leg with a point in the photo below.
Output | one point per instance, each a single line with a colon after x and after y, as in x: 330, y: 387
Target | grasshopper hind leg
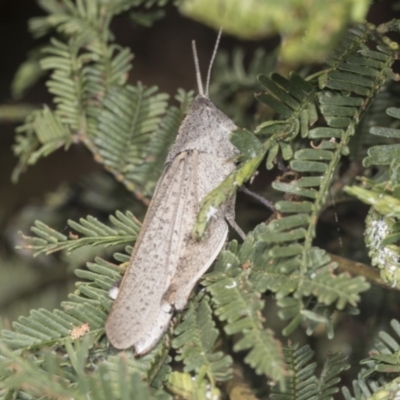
x: 230, y: 217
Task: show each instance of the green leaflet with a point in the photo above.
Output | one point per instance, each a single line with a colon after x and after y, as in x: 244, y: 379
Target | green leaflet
x: 281, y: 274
x: 247, y: 143
x: 303, y: 384
x: 134, y: 125
x: 111, y: 379
x: 384, y: 358
x: 95, y: 233
x: 238, y: 304
x: 384, y: 154
x: 129, y: 118
x: 195, y: 339
x: 43, y: 327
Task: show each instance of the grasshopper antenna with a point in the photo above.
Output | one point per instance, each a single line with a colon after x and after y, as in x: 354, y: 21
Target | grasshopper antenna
x: 197, y: 67
x: 212, y: 61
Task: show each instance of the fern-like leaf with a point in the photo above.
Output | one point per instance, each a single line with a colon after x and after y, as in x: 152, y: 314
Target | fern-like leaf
x: 155, y: 152
x: 239, y: 305
x: 90, y: 306
x: 385, y: 154
x: 84, y: 316
x: 328, y: 379
x: 369, y: 389
x: 385, y: 356
x: 134, y: 148
x: 95, y: 233
x: 278, y: 270
x: 195, y: 341
x: 302, y: 383
x: 111, y: 379
x: 93, y: 103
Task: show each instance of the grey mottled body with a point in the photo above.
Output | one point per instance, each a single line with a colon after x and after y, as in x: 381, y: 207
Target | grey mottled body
x: 167, y: 261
